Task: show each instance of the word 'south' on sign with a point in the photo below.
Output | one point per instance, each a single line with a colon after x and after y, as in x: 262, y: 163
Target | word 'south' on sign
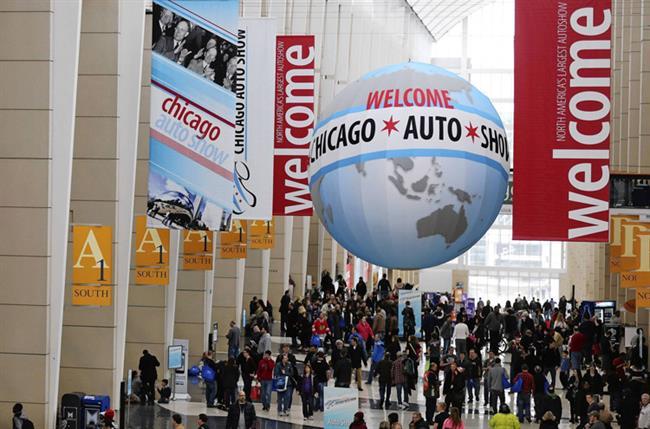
x: 197, y: 250
x: 151, y: 254
x: 261, y: 233
x: 233, y: 242
x: 92, y: 264
x: 294, y: 124
x: 562, y: 120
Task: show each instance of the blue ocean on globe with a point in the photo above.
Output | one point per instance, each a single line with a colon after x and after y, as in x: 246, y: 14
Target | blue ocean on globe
x: 409, y: 208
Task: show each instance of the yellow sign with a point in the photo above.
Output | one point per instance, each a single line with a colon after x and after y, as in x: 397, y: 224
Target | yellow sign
x: 616, y: 241
x: 101, y: 296
x: 640, y: 276
x: 92, y: 254
x: 197, y: 250
x: 151, y: 254
x: 233, y: 242
x: 262, y: 233
x: 643, y: 297
x: 152, y: 244
x: 629, y: 259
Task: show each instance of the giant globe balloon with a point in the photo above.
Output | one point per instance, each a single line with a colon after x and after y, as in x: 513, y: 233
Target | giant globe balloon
x: 409, y: 166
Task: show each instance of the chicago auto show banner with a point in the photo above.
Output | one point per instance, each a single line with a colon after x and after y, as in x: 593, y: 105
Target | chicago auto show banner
x: 294, y: 124
x: 254, y: 90
x: 192, y: 134
x: 562, y: 120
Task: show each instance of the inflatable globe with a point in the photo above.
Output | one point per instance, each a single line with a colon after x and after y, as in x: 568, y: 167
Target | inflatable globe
x: 409, y: 166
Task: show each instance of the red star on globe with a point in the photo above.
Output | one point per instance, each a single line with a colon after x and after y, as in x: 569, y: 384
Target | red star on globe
x: 389, y: 125
x: 471, y: 132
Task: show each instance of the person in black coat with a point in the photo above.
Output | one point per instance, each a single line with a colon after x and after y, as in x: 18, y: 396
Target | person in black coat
x: 454, y: 386
x: 148, y: 375
x: 284, y: 312
x: 343, y: 370
x: 553, y: 403
x: 230, y: 376
x: 361, y: 288
x: 248, y: 369
x: 235, y: 411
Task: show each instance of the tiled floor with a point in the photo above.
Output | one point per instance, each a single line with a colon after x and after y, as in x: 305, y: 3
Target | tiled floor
x: 159, y: 416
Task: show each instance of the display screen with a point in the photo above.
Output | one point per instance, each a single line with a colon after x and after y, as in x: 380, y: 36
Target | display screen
x: 175, y: 357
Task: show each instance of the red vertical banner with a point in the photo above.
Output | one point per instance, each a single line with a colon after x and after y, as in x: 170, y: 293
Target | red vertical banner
x: 294, y: 124
x: 562, y: 120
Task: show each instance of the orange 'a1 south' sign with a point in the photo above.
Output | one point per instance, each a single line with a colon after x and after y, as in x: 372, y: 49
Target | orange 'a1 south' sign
x: 261, y: 233
x: 233, y: 242
x: 151, y: 254
x: 197, y: 250
x: 92, y: 254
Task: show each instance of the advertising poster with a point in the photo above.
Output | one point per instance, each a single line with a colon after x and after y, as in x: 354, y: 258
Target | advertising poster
x: 470, y: 307
x: 92, y: 264
x: 253, y: 171
x: 562, y: 120
x: 294, y: 124
x: 233, y: 242
x: 261, y: 234
x: 197, y: 250
x: 414, y: 298
x: 634, y: 258
x: 340, y: 406
x: 151, y: 254
x: 192, y: 134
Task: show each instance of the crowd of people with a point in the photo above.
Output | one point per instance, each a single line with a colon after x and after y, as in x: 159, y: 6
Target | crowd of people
x: 537, y: 351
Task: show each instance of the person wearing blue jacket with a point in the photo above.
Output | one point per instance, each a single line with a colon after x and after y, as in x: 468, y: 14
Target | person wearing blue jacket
x: 378, y: 351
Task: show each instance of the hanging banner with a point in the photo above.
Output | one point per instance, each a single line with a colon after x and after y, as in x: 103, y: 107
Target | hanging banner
x: 192, y: 134
x: 253, y: 172
x: 197, y: 250
x: 340, y: 406
x: 643, y: 297
x: 561, y: 119
x: 92, y: 254
x: 261, y: 234
x: 151, y: 254
x: 616, y: 240
x: 294, y: 124
x: 630, y: 257
x: 233, y: 242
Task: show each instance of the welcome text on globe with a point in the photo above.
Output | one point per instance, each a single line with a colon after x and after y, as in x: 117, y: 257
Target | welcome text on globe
x: 460, y: 128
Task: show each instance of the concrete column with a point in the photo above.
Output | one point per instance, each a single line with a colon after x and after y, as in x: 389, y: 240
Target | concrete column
x: 129, y: 60
x: 208, y: 297
x: 239, y: 288
x: 644, y: 82
x: 66, y: 24
x: 171, y: 290
x: 266, y: 266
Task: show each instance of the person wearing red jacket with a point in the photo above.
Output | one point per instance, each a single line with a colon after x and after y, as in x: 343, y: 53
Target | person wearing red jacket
x: 523, y: 397
x: 364, y: 329
x: 265, y: 377
x: 576, y: 345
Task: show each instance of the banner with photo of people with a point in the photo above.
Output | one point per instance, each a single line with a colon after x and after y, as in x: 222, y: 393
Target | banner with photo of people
x: 254, y: 89
x: 409, y: 313
x: 192, y: 131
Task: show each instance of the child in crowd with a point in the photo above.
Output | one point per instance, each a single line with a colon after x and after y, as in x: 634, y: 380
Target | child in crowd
x: 165, y: 392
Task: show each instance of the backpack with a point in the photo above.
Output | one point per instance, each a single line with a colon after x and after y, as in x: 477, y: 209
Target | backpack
x: 27, y: 424
x: 409, y: 367
x: 208, y: 373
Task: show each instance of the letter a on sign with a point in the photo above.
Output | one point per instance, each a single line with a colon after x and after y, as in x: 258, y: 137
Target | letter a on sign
x: 92, y: 253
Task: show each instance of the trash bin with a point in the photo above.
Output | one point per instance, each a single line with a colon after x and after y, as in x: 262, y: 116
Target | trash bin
x: 93, y: 405
x: 72, y: 410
